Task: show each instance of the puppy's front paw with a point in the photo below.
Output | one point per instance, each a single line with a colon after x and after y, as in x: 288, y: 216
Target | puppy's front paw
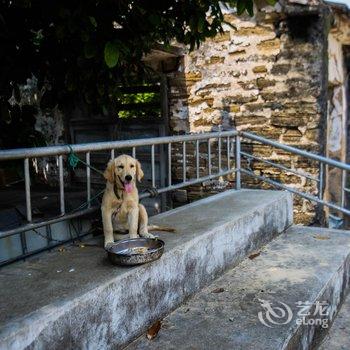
x: 147, y: 235
x: 108, y: 244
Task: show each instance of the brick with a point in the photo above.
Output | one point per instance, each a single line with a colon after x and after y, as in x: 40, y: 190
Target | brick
x: 259, y: 69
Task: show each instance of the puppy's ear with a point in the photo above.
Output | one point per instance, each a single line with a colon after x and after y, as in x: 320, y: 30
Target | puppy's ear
x: 109, y: 172
x: 139, y: 171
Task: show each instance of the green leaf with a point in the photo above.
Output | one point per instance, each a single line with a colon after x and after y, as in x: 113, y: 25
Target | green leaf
x: 201, y: 23
x: 271, y: 2
x: 93, y: 21
x: 111, y: 54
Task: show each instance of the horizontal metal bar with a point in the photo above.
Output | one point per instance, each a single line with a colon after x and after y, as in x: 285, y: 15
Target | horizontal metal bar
x: 35, y: 225
x: 346, y: 189
x: 40, y: 250
x: 301, y: 194
x: 83, y: 212
x: 282, y: 167
x: 190, y: 182
x: 295, y: 150
x: 19, y: 153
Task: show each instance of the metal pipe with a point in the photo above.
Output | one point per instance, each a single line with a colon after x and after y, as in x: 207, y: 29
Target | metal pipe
x: 112, y: 154
x: 190, y: 182
x: 228, y: 152
x: 169, y: 163
x: 302, y: 194
x: 27, y: 189
x: 31, y: 226
x: 197, y: 159
x: 209, y: 157
x: 219, y: 147
x: 20, y: 153
x: 153, y: 166
x: 320, y: 182
x: 342, y: 200
x: 37, y: 251
x: 296, y: 151
x: 238, y: 162
x: 83, y: 212
x: 134, y: 152
x: 88, y: 180
x: 184, y: 161
x: 282, y: 167
x: 60, y: 169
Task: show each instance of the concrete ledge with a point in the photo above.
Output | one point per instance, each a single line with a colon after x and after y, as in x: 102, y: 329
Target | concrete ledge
x: 307, y: 265
x: 75, y: 299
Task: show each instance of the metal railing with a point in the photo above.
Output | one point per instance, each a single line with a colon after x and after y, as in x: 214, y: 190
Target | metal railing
x: 27, y: 154
x: 233, y: 156
x: 323, y: 161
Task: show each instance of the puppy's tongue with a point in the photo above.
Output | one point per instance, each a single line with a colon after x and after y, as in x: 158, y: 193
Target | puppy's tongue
x: 128, y: 187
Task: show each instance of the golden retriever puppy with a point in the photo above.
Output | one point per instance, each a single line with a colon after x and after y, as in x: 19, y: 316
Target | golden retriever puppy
x: 121, y: 209
x: 121, y: 200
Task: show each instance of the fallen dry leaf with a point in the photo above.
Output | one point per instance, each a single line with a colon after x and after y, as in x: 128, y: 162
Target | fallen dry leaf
x: 153, y: 330
x: 61, y: 249
x: 218, y: 290
x: 321, y: 237
x: 253, y: 255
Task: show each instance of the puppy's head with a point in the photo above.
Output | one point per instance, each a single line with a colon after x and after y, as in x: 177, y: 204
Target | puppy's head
x: 124, y: 171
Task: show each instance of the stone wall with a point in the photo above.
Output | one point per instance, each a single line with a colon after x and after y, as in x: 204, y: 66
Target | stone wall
x: 337, y: 119
x: 267, y: 76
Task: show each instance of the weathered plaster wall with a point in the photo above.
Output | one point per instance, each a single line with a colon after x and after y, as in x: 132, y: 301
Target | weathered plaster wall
x: 267, y: 76
x: 337, y: 106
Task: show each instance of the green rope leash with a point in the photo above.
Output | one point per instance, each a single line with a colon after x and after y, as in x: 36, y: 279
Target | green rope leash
x: 73, y: 161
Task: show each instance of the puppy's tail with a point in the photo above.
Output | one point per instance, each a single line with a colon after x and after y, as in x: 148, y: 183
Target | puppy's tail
x: 161, y: 228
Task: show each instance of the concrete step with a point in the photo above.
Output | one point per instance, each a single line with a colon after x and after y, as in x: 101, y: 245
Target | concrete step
x: 76, y: 300
x: 293, y: 275
x: 338, y: 337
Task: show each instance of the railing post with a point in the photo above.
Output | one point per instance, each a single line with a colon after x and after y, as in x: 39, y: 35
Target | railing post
x: 197, y: 159
x: 27, y: 189
x: 343, y: 181
x: 88, y: 180
x: 61, y: 177
x: 209, y: 157
x: 320, y: 182
x: 184, y: 161
x: 169, y: 164
x: 238, y: 162
x: 153, y: 166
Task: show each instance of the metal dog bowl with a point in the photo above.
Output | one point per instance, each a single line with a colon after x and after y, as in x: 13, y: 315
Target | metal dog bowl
x: 135, y: 251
